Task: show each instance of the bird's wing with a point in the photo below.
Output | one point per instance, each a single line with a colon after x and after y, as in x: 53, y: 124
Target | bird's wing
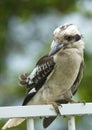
x: 37, y: 78
x: 78, y: 79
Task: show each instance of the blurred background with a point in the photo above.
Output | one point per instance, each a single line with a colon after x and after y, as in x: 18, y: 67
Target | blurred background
x: 26, y: 28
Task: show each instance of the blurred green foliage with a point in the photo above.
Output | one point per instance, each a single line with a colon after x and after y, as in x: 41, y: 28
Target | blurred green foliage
x: 24, y: 9
x: 10, y: 92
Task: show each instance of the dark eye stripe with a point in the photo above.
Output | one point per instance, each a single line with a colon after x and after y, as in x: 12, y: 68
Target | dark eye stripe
x: 75, y: 37
x: 69, y: 38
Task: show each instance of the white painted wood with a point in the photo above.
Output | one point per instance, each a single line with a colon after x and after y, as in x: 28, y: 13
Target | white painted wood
x: 30, y: 124
x: 27, y: 111
x: 69, y: 110
x: 45, y: 110
x: 71, y: 123
x: 76, y: 109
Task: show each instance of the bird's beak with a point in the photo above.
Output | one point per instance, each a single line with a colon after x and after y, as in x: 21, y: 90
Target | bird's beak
x: 55, y: 48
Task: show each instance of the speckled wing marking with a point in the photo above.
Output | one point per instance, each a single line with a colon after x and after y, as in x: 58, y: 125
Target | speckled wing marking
x: 37, y: 78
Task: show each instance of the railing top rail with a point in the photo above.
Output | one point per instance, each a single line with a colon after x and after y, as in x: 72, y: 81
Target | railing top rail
x: 45, y: 110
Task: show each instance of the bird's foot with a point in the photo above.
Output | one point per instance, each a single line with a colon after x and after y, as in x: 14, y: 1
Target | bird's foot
x: 56, y: 105
x: 83, y: 101
x: 72, y: 101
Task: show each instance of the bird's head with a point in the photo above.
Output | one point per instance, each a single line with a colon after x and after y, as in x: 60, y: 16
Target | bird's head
x: 64, y: 36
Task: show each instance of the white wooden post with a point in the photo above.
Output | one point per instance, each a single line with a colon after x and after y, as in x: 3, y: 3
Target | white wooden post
x: 30, y: 124
x: 71, y: 123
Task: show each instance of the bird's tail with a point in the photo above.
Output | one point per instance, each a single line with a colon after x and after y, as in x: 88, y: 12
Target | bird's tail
x: 13, y: 122
x: 48, y: 120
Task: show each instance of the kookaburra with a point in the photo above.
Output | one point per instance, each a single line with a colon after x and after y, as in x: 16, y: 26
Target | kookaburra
x: 56, y: 76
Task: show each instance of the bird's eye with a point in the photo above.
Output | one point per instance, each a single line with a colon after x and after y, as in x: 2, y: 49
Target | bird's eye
x: 77, y: 37
x: 68, y: 38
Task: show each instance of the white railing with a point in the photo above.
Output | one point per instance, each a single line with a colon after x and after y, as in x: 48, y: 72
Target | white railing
x: 70, y: 110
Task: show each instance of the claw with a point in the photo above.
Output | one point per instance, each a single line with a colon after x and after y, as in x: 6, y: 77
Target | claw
x: 83, y: 101
x: 72, y: 101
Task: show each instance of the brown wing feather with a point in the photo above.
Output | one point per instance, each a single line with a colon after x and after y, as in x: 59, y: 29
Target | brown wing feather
x: 78, y: 79
x: 38, y: 77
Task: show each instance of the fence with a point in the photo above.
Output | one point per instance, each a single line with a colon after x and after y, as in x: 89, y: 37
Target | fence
x: 70, y: 110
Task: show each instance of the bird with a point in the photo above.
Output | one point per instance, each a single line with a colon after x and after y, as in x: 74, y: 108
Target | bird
x: 57, y: 75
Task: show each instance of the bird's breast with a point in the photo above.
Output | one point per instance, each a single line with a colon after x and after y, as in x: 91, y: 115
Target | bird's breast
x: 65, y: 72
